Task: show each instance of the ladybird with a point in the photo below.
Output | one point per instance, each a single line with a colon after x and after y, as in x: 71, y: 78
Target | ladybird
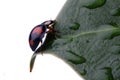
x: 37, y: 37
x: 38, y: 33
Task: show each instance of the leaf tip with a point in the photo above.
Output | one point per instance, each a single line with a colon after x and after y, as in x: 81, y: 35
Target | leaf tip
x: 30, y: 69
x: 32, y: 61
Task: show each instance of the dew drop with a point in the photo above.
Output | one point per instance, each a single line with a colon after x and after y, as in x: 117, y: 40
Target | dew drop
x: 95, y: 4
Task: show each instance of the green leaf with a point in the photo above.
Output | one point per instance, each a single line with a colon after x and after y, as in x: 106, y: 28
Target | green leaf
x: 89, y: 38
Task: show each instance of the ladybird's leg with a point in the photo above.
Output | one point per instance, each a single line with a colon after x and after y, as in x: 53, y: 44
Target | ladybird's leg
x: 50, y: 27
x: 50, y: 30
x: 47, y: 31
x: 54, y: 21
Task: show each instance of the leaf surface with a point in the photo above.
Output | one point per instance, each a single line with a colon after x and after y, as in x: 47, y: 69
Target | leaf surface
x: 89, y: 38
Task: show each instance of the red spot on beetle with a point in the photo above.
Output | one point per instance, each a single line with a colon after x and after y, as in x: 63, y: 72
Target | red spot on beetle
x: 37, y: 30
x: 31, y: 42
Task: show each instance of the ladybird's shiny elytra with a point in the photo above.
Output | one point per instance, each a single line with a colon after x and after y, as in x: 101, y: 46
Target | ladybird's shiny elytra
x: 38, y: 33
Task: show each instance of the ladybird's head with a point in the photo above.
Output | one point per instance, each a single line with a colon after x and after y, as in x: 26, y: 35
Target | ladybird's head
x: 50, y: 25
x: 49, y: 22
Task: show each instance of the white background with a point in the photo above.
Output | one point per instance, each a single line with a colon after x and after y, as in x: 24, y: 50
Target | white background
x: 17, y: 18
